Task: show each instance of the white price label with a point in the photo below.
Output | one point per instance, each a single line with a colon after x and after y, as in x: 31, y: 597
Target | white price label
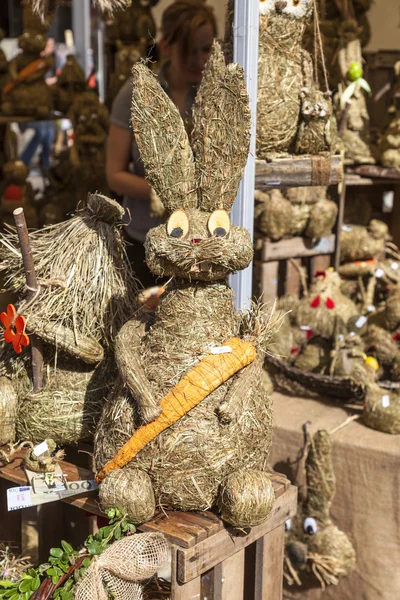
x: 221, y: 350
x: 347, y: 228
x: 19, y: 497
x: 395, y: 265
x: 40, y: 449
x: 305, y: 328
x: 361, y: 322
x: 379, y: 273
x: 386, y: 401
x: 371, y: 308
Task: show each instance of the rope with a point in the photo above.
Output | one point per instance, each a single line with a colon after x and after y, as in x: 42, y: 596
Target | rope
x: 319, y: 48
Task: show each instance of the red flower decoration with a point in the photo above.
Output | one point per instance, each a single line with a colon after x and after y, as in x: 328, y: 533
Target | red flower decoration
x: 329, y: 303
x: 396, y: 337
x: 14, y: 332
x: 320, y: 274
x: 316, y: 302
x: 309, y: 334
x: 294, y: 350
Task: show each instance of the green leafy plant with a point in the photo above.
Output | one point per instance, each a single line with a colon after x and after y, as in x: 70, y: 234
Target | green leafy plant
x: 65, y: 566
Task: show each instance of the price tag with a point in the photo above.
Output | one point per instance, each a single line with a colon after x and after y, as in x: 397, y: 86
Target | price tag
x: 40, y: 449
x: 394, y: 266
x: 371, y: 308
x: 305, y: 328
x: 386, y: 401
x: 221, y: 350
x: 361, y: 322
x: 347, y: 228
x: 19, y: 497
x: 379, y: 273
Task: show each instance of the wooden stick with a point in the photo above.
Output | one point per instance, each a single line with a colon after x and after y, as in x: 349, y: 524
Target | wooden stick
x: 27, y: 259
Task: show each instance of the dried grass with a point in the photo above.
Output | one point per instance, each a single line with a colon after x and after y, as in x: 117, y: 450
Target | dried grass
x: 12, y: 567
x: 8, y: 410
x: 131, y: 491
x: 361, y: 243
x: 376, y: 416
x: 246, y: 498
x: 86, y: 288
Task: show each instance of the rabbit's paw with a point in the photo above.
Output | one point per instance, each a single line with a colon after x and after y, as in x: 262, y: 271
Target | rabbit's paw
x: 246, y: 498
x: 131, y: 491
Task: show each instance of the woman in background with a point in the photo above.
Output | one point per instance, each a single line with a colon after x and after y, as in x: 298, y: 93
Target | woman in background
x: 188, y: 30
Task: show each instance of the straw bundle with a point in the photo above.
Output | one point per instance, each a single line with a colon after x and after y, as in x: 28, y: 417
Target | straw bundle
x: 322, y: 219
x: 44, y: 7
x: 276, y: 216
x: 8, y: 410
x: 306, y: 195
x: 131, y: 491
x: 363, y: 243
x: 389, y: 148
x: 315, y: 356
x: 388, y: 317
x: 281, y: 78
x: 69, y: 406
x: 246, y: 497
x: 382, y: 410
x: 86, y: 287
x: 381, y: 343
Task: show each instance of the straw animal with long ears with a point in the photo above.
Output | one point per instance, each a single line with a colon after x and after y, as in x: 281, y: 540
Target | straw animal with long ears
x: 314, y: 545
x: 27, y: 92
x: 196, y: 349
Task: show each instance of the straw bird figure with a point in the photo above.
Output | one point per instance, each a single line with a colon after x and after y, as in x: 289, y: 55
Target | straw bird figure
x: 216, y: 453
x: 317, y: 131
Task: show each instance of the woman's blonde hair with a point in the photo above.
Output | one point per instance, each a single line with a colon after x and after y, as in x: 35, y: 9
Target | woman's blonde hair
x: 182, y: 19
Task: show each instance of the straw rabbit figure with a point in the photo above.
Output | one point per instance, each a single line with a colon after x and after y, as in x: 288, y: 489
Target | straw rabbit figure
x: 314, y: 545
x: 216, y: 454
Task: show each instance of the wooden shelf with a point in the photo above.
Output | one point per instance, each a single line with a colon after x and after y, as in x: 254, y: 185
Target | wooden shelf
x: 372, y: 173
x: 298, y: 171
x: 296, y: 247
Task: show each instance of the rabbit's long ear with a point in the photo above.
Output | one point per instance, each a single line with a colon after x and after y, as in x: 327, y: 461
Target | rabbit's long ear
x: 162, y: 140
x: 221, y: 133
x: 321, y: 481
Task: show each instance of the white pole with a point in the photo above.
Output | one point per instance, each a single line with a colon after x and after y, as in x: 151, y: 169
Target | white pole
x: 245, y: 52
x: 81, y: 29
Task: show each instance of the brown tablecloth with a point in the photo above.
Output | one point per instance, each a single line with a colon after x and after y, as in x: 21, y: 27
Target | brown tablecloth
x: 367, y: 501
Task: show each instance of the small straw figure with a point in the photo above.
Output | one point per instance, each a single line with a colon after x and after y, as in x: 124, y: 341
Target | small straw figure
x: 315, y: 549
x: 70, y: 84
x: 85, y: 292
x: 214, y: 453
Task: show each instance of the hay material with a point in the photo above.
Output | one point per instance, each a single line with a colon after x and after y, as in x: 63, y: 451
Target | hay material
x: 276, y: 214
x: 47, y: 462
x: 363, y: 243
x: 126, y: 56
x: 44, y: 7
x: 247, y: 497
x: 210, y: 259
x: 315, y: 356
x: 70, y: 83
x: 358, y: 268
x: 322, y: 319
x: 282, y: 341
x: 8, y: 410
x: 69, y: 406
x: 281, y: 77
x: 377, y: 414
x: 389, y: 147
x: 300, y: 215
x: 388, y: 317
x: 381, y: 343
x: 317, y: 133
x: 221, y: 132
x: 322, y: 219
x: 131, y: 491
x: 12, y: 567
x: 306, y: 195
x: 170, y: 170
x: 86, y: 285
x: 323, y: 549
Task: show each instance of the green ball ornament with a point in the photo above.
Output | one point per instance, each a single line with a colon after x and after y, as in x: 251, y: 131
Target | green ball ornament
x: 355, y: 72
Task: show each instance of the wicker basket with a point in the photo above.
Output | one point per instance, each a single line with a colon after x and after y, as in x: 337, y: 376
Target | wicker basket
x: 296, y: 382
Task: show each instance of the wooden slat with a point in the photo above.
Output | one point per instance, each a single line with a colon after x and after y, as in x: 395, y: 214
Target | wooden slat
x: 374, y: 171
x: 293, y: 277
x: 269, y: 565
x: 229, y: 578
x: 297, y: 247
x: 294, y: 171
x: 183, y: 591
x: 192, y: 562
x: 319, y: 263
x: 269, y: 279
x: 339, y: 225
x: 395, y: 217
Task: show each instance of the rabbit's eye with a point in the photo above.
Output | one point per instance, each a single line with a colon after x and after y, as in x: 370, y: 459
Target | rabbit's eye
x: 310, y: 526
x: 82, y: 119
x: 178, y: 224
x: 219, y: 223
x: 288, y: 524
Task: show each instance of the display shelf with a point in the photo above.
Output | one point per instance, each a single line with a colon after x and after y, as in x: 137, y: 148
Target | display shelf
x: 297, y: 171
x: 373, y: 172
x: 6, y: 120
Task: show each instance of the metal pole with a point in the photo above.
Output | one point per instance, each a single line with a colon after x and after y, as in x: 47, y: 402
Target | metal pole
x: 101, y: 64
x: 245, y: 52
x: 81, y: 29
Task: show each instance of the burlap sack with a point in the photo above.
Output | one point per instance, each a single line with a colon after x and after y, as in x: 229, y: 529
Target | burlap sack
x: 122, y: 566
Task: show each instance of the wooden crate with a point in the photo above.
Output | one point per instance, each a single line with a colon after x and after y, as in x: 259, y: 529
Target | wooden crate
x: 297, y: 171
x: 209, y: 559
x: 380, y: 75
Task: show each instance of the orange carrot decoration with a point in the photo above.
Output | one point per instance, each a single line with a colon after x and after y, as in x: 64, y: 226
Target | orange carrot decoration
x: 194, y: 387
x: 15, y: 325
x: 33, y: 67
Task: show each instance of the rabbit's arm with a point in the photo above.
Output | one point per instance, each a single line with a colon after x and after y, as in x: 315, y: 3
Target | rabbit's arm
x: 127, y: 356
x: 244, y: 383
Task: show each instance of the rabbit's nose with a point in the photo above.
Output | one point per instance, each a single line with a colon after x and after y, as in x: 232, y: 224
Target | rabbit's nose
x: 196, y: 240
x: 297, y: 553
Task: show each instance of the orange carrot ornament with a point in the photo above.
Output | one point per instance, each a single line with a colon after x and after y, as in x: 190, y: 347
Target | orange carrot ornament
x: 194, y: 387
x: 14, y: 332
